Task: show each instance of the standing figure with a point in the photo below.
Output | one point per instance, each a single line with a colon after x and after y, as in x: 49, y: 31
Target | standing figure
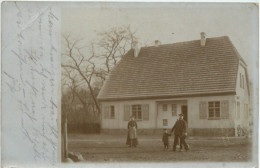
x: 180, y: 133
x: 165, y: 139
x: 132, y: 133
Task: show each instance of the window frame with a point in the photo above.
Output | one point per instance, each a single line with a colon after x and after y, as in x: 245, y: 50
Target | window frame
x: 110, y: 112
x: 139, y: 115
x: 165, y: 121
x: 240, y: 79
x: 174, y: 110
x: 163, y: 107
x: 238, y: 110
x: 214, y: 108
x: 243, y: 82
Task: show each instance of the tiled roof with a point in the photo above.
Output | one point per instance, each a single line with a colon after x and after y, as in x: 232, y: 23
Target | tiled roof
x: 177, y: 69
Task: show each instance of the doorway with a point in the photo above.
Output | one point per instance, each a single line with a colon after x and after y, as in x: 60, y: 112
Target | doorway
x: 184, y: 111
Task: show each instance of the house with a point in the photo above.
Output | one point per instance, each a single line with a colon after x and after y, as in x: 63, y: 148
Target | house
x: 204, y: 79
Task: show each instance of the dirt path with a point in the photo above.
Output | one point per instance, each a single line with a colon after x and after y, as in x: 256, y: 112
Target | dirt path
x: 104, y: 148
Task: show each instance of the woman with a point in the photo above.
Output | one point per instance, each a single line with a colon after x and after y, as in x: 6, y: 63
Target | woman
x: 132, y: 133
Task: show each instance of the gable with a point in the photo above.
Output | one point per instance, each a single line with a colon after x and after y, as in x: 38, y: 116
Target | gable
x: 242, y: 87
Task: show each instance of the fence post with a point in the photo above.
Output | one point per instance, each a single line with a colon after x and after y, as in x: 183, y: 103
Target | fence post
x: 66, y: 138
x: 64, y: 131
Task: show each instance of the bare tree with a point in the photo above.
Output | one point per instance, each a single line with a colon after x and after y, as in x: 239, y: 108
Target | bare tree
x: 114, y: 44
x: 74, y: 85
x: 80, y: 64
x: 75, y: 88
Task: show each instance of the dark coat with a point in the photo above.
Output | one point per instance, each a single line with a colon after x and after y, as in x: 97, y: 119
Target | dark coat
x: 132, y: 127
x: 179, y: 127
x: 165, y: 138
x: 128, y: 140
x: 132, y: 124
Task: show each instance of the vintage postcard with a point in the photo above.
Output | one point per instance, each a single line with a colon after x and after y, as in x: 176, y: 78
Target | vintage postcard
x: 136, y: 84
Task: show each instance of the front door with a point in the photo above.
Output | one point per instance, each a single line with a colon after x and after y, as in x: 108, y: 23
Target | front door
x: 184, y: 111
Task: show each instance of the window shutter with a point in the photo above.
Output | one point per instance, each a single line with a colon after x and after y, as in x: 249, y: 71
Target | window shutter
x: 224, y: 109
x: 174, y: 110
x: 238, y: 110
x: 240, y: 79
x: 106, y: 112
x: 203, y: 110
x: 127, y: 112
x: 243, y: 82
x: 246, y: 111
x: 145, y: 111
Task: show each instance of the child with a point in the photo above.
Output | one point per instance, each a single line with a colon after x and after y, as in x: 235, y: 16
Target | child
x: 165, y: 139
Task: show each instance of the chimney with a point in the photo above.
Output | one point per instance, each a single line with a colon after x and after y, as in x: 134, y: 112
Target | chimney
x: 202, y: 38
x: 157, y: 43
x: 136, y: 48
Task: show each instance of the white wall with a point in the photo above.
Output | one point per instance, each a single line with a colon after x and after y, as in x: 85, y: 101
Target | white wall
x: 242, y: 97
x: 168, y: 114
x: 156, y: 120
x: 119, y: 123
x: 193, y: 113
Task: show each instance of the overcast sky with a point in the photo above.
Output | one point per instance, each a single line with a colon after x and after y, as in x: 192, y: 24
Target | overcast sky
x: 170, y: 23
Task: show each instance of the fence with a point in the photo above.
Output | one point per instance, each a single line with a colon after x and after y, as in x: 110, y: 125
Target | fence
x: 79, y: 121
x: 88, y: 128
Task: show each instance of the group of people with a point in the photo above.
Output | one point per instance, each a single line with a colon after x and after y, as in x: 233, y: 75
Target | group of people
x: 179, y: 129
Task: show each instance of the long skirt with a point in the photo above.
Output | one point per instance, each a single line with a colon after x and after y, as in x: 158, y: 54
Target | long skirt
x: 134, y: 140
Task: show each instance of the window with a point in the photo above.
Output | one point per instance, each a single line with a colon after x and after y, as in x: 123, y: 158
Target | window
x: 242, y: 84
x: 137, y: 111
x: 238, y: 110
x: 109, y: 112
x: 164, y: 107
x: 112, y: 112
x: 240, y: 79
x: 165, y: 122
x: 174, y: 110
x: 214, y: 109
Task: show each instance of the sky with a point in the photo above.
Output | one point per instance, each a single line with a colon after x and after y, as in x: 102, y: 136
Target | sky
x: 170, y: 23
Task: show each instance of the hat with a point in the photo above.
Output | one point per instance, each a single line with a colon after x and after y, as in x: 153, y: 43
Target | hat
x: 181, y: 114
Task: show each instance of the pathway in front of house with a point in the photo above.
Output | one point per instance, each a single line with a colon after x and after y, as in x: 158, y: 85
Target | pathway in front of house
x: 112, y: 148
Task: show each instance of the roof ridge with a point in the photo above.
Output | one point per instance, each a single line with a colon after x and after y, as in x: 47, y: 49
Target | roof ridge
x: 184, y: 42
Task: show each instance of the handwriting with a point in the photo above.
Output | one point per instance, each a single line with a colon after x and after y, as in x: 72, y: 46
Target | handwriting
x: 33, y: 82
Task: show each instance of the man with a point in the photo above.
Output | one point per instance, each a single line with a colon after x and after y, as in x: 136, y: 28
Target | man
x: 180, y: 132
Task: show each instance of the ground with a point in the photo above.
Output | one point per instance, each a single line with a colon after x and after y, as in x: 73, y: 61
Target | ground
x: 112, y: 148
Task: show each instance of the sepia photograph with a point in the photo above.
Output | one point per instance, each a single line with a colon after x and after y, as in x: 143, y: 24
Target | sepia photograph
x: 129, y: 84
x: 159, y: 82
